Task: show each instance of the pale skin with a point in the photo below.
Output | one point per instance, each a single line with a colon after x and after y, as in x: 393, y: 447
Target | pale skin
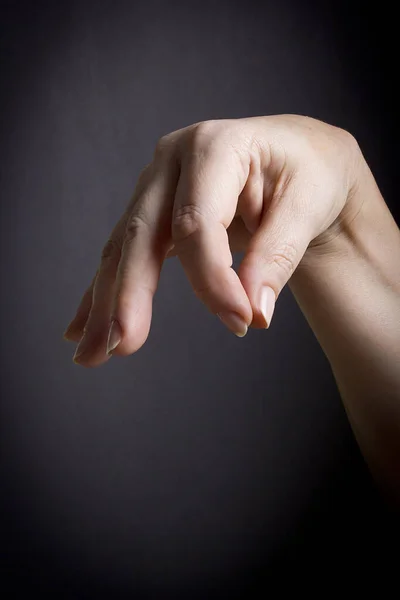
x: 297, y: 197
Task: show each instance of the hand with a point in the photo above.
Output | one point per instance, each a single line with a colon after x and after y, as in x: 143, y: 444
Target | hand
x: 271, y: 186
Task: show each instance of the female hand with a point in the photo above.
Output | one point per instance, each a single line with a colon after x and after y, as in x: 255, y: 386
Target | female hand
x: 270, y: 186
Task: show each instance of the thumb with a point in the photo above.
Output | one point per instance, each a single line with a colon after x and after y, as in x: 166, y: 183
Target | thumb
x: 274, y: 253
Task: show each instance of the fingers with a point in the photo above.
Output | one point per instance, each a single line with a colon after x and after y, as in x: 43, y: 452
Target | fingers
x: 91, y: 350
x: 277, y: 247
x: 74, y: 331
x: 238, y: 236
x: 112, y: 275
x: 146, y: 241
x: 205, y: 204
x: 185, y: 204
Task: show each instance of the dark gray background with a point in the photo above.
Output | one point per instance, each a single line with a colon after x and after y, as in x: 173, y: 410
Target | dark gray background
x: 204, y: 464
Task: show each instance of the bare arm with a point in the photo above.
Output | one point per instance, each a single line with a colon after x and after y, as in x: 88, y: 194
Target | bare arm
x: 348, y: 287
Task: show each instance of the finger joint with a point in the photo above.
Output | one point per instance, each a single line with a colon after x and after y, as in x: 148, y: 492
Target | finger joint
x: 110, y: 252
x: 134, y: 225
x: 186, y: 221
x: 285, y: 258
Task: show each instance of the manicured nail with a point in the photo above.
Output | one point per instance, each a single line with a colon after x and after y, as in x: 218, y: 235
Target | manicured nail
x: 267, y: 304
x: 114, y: 336
x: 81, y: 348
x: 234, y: 322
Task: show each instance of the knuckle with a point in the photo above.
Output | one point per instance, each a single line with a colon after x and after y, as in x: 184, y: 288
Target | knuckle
x: 186, y: 221
x: 285, y: 258
x: 201, y: 135
x: 351, y: 145
x: 110, y: 251
x: 162, y: 145
x: 347, y: 136
x: 135, y: 223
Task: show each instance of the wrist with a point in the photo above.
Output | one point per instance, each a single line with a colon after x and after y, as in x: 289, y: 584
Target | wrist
x: 365, y: 230
x: 331, y: 240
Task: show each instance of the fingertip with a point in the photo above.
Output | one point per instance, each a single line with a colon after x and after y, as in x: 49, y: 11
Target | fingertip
x: 128, y: 345
x: 267, y: 304
x: 91, y: 358
x: 88, y: 362
x: 234, y: 322
x: 130, y: 325
x: 71, y: 335
x: 114, y: 336
x: 262, y: 297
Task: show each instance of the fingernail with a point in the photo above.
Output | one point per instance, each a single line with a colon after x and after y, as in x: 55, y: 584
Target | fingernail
x: 267, y: 304
x: 114, y: 336
x: 234, y: 322
x: 81, y: 348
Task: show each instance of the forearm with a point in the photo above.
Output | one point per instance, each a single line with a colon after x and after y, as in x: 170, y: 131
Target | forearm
x: 349, y: 291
